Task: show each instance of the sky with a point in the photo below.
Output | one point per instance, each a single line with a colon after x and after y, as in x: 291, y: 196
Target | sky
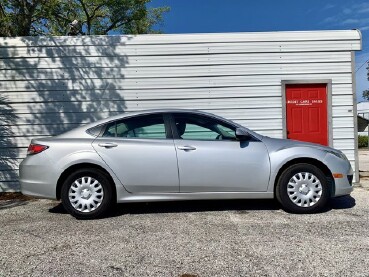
x: 211, y: 16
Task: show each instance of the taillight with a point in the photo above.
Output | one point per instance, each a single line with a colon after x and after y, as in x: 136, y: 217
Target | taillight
x: 36, y: 148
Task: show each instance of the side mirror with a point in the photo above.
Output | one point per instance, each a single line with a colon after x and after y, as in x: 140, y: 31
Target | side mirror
x: 242, y: 134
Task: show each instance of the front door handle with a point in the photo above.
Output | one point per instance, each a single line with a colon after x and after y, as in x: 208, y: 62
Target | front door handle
x: 108, y: 144
x: 186, y: 148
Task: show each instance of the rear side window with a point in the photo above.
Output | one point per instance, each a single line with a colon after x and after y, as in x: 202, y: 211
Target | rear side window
x: 94, y: 131
x: 145, y: 127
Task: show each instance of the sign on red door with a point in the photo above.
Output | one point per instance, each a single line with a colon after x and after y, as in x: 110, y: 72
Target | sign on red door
x: 307, y: 118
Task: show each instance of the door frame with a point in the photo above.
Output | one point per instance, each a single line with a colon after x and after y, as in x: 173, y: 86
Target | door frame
x: 328, y: 83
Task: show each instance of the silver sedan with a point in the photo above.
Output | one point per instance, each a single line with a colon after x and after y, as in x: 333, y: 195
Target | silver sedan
x: 163, y: 155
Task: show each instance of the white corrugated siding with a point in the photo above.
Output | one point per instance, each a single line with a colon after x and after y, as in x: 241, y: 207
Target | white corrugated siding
x: 55, y: 84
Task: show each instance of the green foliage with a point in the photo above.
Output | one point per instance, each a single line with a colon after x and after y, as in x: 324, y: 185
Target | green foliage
x: 363, y: 141
x: 366, y: 94
x: 96, y: 17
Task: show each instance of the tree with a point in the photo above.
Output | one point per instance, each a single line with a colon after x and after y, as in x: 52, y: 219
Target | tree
x: 96, y: 17
x: 366, y: 94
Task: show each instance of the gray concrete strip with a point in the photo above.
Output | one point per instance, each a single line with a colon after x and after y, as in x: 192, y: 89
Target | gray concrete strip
x: 203, y: 238
x: 364, y: 183
x: 364, y: 160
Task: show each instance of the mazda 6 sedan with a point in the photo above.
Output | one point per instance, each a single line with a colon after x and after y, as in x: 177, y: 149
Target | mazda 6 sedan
x: 165, y: 155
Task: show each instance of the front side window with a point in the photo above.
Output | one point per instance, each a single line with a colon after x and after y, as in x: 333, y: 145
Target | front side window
x: 145, y: 127
x: 196, y: 127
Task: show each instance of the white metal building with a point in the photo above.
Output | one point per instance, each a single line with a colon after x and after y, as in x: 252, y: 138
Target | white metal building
x: 274, y: 83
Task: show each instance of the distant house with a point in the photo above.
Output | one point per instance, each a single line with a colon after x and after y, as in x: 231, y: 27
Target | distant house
x: 296, y: 85
x: 363, y: 117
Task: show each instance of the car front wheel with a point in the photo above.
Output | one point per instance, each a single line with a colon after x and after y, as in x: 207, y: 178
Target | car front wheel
x: 302, y: 188
x: 87, y: 194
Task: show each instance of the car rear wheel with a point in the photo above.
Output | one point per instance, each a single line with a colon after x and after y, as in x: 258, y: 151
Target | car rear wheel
x: 87, y: 194
x: 302, y: 188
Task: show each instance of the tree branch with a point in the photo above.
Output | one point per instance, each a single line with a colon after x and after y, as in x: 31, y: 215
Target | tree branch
x: 2, y: 11
x: 58, y: 15
x: 88, y: 18
x: 96, y: 9
x: 116, y: 24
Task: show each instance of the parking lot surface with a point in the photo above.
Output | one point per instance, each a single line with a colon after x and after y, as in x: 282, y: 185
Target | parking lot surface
x: 200, y: 238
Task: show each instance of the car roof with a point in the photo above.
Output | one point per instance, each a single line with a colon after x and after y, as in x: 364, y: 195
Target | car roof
x: 149, y: 111
x: 80, y: 131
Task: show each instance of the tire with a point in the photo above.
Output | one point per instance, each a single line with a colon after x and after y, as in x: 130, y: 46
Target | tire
x: 302, y: 188
x: 87, y: 194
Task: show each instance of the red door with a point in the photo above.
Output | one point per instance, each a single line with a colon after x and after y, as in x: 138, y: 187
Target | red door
x: 307, y: 113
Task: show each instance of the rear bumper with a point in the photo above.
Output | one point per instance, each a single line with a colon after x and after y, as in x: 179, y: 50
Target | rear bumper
x: 35, y: 178
x: 36, y: 189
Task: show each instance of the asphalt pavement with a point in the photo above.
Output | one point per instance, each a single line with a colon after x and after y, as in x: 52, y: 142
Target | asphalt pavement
x: 199, y: 238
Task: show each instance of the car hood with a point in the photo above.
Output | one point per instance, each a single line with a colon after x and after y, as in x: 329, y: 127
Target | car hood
x: 275, y: 144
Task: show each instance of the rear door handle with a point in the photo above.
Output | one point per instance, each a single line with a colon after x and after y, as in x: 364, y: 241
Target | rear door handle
x: 108, y: 144
x: 186, y: 148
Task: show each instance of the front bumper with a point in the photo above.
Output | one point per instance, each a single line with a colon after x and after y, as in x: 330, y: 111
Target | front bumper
x: 343, y: 185
x: 342, y: 188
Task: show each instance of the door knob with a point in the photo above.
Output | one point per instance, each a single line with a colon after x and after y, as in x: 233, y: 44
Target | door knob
x: 108, y: 144
x: 186, y: 148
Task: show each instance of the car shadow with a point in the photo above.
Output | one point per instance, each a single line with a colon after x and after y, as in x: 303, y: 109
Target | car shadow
x: 341, y: 203
x: 197, y: 206
x: 58, y: 209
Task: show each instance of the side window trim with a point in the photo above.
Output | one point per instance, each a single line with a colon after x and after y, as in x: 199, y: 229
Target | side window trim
x: 168, y: 125
x: 172, y: 125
